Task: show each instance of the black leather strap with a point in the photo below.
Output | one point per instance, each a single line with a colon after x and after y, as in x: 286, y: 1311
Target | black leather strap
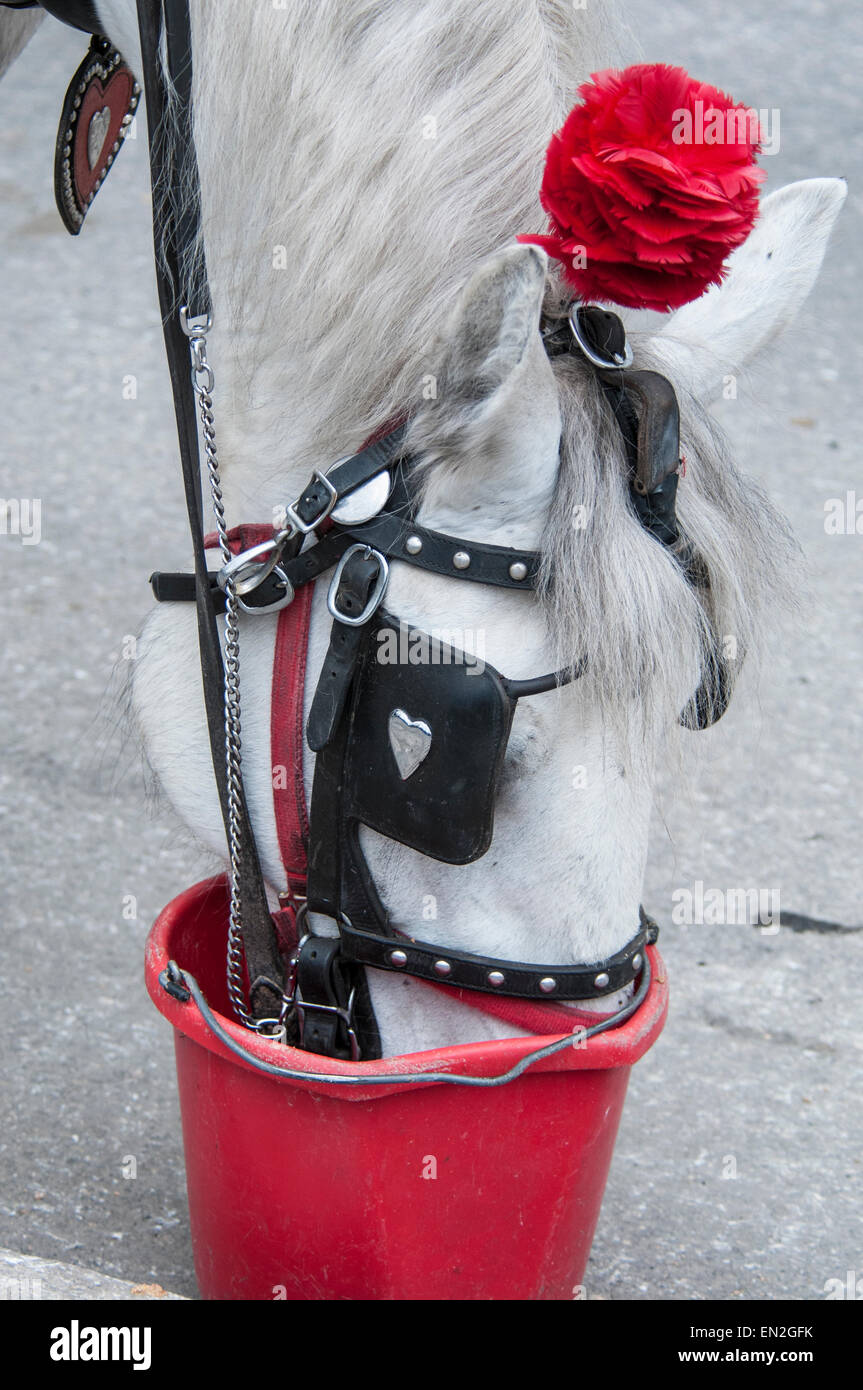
x: 541, y: 685
x: 645, y: 407
x: 302, y: 569
x: 173, y: 238
x: 656, y: 510
x: 176, y: 587
x: 326, y: 1009
x: 347, y: 476
x: 357, y: 582
x: 443, y: 554
x: 652, y: 399
x: 331, y: 733
x: 325, y: 979
x: 389, y: 533
x: 516, y: 980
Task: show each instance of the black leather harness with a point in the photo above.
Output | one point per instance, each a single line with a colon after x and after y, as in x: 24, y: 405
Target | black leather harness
x: 457, y: 716
x: 413, y: 751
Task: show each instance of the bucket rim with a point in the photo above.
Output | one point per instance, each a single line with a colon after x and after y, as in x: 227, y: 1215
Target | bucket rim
x: 618, y: 1047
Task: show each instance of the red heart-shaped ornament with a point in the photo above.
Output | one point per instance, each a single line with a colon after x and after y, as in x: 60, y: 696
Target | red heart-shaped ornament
x: 96, y: 116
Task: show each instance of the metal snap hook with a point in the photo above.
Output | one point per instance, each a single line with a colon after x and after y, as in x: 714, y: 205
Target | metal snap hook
x: 194, y: 325
x: 247, y: 571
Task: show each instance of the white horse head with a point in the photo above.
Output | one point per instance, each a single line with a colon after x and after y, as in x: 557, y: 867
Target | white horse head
x: 364, y: 169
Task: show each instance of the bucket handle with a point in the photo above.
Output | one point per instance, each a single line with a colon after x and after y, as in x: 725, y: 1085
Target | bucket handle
x: 183, y: 986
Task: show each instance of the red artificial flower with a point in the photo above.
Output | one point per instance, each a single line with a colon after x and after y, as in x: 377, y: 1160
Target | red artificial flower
x: 649, y: 186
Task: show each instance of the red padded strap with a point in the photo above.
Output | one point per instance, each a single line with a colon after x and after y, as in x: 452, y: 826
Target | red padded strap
x: 286, y: 737
x: 286, y: 729
x: 286, y: 719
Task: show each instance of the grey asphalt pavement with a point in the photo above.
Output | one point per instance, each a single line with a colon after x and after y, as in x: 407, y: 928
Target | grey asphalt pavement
x: 737, y: 1172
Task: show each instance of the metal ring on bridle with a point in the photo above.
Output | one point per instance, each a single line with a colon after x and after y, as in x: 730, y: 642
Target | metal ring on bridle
x: 621, y: 360
x: 247, y: 575
x: 278, y: 1034
x: 203, y: 380
x: 376, y: 595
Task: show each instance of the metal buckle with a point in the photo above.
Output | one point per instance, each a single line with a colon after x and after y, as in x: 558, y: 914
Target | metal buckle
x: 248, y: 572
x: 617, y: 360
x: 377, y: 593
x: 296, y: 520
x: 296, y: 998
x: 346, y: 1015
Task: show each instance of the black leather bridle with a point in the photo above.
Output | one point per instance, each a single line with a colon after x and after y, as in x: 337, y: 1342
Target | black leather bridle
x: 330, y: 1008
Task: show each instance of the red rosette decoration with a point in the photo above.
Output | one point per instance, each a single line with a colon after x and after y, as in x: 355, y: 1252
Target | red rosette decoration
x: 649, y: 186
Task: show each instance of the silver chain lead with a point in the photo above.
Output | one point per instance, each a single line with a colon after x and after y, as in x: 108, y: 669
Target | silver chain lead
x: 196, y: 329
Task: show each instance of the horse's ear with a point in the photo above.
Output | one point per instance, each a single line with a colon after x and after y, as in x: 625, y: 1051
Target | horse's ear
x: 17, y: 28
x: 492, y: 327
x: 770, y: 276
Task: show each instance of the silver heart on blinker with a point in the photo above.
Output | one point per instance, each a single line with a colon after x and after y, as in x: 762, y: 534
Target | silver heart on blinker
x: 410, y: 740
x: 96, y: 132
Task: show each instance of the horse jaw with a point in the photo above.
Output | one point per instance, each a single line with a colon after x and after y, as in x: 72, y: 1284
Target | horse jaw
x: 710, y: 340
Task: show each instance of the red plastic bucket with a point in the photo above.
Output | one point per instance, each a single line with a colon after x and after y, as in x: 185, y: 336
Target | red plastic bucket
x: 302, y: 1189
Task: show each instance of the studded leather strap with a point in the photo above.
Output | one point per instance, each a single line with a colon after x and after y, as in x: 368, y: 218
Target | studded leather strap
x: 489, y: 975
